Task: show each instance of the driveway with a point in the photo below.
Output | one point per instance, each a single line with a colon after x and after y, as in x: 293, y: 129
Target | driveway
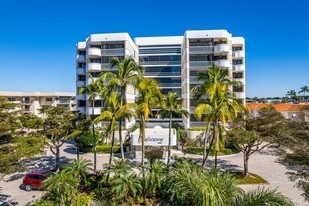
x: 263, y: 163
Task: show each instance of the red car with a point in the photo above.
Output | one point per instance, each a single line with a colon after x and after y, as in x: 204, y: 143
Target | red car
x: 35, y: 178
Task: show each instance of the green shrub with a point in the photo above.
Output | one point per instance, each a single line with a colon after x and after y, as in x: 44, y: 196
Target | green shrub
x: 86, y: 138
x: 252, y: 179
x: 200, y: 150
x: 82, y: 199
x: 197, y: 128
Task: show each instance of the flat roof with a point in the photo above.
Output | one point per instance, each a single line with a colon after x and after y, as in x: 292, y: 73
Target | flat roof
x: 36, y: 94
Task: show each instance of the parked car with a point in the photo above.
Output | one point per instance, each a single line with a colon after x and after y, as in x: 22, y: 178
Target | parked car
x: 34, y: 179
x: 5, y: 203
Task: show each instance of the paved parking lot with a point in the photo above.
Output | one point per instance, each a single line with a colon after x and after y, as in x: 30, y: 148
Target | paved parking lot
x: 263, y: 163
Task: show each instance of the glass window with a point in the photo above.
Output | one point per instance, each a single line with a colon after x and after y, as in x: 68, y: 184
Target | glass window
x: 81, y: 103
x: 237, y: 74
x: 49, y: 99
x: 193, y: 57
x: 81, y: 78
x: 237, y: 89
x: 201, y: 57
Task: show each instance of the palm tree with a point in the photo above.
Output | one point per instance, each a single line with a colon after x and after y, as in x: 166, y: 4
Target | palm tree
x: 120, y: 168
x: 262, y: 197
x: 93, y: 90
x: 220, y: 104
x: 303, y: 90
x: 129, y: 73
x: 291, y: 93
x: 149, y: 96
x: 173, y: 105
x: 112, y: 113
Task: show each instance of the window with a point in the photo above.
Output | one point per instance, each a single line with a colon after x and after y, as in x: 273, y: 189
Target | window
x: 237, y: 48
x: 237, y: 74
x: 200, y: 42
x: 237, y: 89
x: 113, y: 45
x: 219, y: 57
x: 107, y: 59
x: 235, y: 62
x: 201, y: 57
x: 81, y: 103
x: 95, y: 60
x: 163, y: 69
x: 34, y: 177
x: 81, y: 78
x: 193, y: 73
x: 166, y: 91
x: 95, y: 46
x: 82, y: 52
x: 95, y: 74
x: 10, y: 99
x: 49, y: 99
x: 81, y: 65
x: 172, y: 58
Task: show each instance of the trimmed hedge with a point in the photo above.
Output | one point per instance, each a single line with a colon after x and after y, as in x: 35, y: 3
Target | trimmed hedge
x: 197, y: 128
x: 200, y: 150
x: 102, y: 149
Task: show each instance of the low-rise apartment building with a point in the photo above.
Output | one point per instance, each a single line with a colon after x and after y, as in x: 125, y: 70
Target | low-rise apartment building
x: 294, y: 112
x: 173, y: 61
x: 30, y: 102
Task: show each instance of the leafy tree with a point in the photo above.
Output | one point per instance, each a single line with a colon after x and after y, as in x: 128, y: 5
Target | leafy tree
x: 149, y: 96
x: 15, y: 145
x: 31, y: 121
x: 59, y: 124
x: 173, y: 105
x: 220, y: 104
x: 93, y: 90
x: 129, y: 73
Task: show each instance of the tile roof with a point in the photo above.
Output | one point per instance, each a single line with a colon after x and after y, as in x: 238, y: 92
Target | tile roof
x: 279, y: 107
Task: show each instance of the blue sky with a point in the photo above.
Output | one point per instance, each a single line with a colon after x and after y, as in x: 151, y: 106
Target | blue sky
x: 37, y: 38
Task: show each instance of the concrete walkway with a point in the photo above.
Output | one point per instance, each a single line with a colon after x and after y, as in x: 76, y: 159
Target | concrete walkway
x: 263, y: 163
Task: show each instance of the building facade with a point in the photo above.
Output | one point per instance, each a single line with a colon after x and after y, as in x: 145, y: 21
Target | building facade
x: 30, y: 102
x: 172, y: 61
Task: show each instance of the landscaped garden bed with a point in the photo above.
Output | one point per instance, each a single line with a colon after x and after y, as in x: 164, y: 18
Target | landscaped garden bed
x: 251, y: 179
x: 199, y: 151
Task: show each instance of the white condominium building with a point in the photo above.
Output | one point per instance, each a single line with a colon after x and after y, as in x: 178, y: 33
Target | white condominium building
x: 30, y: 102
x: 172, y: 61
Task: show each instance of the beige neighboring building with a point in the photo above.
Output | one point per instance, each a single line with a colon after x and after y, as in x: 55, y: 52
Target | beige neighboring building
x: 31, y: 102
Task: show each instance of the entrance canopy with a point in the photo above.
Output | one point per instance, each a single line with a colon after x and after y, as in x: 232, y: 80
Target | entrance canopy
x: 154, y: 137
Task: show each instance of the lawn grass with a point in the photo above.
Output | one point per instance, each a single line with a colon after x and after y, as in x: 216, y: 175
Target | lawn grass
x: 252, y: 179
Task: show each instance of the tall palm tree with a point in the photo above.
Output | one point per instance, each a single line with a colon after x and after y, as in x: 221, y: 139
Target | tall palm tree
x: 220, y: 104
x: 173, y: 105
x: 303, y: 90
x: 113, y: 113
x: 291, y: 93
x: 129, y: 73
x: 93, y: 90
x: 149, y: 96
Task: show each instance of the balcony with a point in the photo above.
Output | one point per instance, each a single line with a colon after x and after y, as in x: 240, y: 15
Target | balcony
x: 81, y: 97
x: 89, y: 80
x: 95, y: 67
x: 221, y: 48
x: 81, y: 45
x: 242, y: 81
x: 238, y: 54
x: 240, y: 95
x: 222, y: 63
x: 169, y: 84
x: 199, y: 64
x: 81, y: 109
x: 80, y: 58
x: 201, y: 49
x: 94, y: 52
x: 80, y: 83
x: 80, y: 71
x: 160, y: 63
x: 162, y: 74
x: 238, y: 68
x: 112, y: 52
x: 97, y: 110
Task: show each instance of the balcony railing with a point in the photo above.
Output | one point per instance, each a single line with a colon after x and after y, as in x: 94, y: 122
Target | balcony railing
x: 162, y: 74
x: 238, y: 68
x: 201, y: 49
x: 169, y: 84
x: 112, y: 52
x: 200, y: 64
x: 161, y: 63
x: 64, y: 101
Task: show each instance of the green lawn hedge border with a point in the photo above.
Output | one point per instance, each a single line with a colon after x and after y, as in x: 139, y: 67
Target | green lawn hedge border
x: 200, y: 150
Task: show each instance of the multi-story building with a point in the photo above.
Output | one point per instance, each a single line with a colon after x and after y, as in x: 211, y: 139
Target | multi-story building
x: 172, y: 61
x: 30, y: 102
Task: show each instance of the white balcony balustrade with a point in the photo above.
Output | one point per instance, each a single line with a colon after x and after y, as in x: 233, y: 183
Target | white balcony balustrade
x: 223, y: 63
x: 240, y: 95
x: 238, y: 68
x: 94, y: 52
x: 80, y: 71
x: 238, y: 54
x: 95, y: 67
x: 97, y: 110
x: 221, y: 48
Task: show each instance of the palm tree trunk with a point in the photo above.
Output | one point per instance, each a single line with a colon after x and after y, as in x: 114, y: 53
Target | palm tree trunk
x: 94, y: 140
x: 205, y: 144
x: 216, y: 142
x: 120, y: 124
x: 110, y: 156
x: 142, y: 130
x: 210, y: 146
x: 169, y: 141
